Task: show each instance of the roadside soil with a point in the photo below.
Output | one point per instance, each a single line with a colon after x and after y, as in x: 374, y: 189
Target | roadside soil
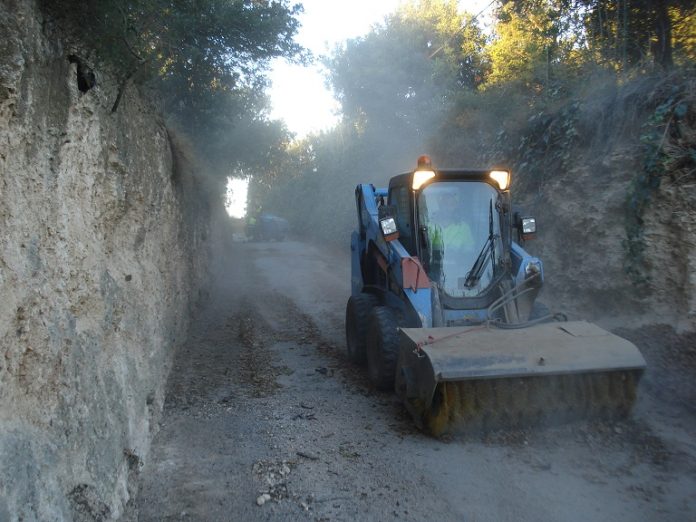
x: 265, y: 419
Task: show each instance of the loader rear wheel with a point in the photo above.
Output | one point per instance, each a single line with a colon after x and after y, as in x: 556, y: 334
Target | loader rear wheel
x: 382, y: 347
x: 357, y: 316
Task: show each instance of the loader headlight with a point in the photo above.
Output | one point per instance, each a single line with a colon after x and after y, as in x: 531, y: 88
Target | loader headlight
x: 420, y: 177
x: 501, y: 177
x: 532, y: 269
x: 532, y: 274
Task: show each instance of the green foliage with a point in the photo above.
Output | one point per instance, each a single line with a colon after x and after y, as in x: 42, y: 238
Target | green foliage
x: 534, y: 37
x: 399, y: 77
x: 546, y: 147
x: 684, y: 33
x: 525, y: 44
x: 193, y: 48
x: 427, y: 80
x: 206, y: 60
x: 669, y: 152
x: 395, y: 85
x: 624, y: 33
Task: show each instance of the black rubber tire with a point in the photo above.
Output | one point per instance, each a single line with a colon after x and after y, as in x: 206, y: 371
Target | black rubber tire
x: 357, y: 315
x: 382, y: 347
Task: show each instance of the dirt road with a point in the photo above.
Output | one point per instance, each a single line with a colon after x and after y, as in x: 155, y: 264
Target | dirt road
x: 264, y: 408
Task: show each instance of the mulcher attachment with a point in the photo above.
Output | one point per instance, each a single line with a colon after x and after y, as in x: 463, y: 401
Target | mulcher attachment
x: 478, y: 379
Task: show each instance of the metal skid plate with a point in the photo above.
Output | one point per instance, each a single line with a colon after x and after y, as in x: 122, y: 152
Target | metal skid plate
x: 548, y: 349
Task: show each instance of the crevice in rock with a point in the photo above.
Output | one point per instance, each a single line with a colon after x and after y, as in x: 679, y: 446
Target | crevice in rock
x: 85, y: 75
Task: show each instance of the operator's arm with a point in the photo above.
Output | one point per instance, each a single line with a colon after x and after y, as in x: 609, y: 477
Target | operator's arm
x: 434, y: 261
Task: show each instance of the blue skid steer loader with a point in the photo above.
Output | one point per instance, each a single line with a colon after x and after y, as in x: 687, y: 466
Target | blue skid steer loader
x: 443, y: 311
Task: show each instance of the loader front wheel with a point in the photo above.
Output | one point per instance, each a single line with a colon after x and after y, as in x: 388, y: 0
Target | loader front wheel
x: 357, y: 316
x: 382, y: 347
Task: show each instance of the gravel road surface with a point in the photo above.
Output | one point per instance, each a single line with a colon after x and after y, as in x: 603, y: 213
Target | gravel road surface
x: 265, y: 419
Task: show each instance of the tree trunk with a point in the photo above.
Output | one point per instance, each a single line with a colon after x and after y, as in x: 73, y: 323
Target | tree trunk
x: 662, y: 49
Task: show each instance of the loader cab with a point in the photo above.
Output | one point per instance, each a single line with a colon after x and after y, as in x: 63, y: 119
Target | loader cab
x: 457, y: 223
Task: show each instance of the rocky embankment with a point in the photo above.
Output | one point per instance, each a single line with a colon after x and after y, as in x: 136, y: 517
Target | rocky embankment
x: 100, y: 226
x: 612, y: 185
x: 582, y: 241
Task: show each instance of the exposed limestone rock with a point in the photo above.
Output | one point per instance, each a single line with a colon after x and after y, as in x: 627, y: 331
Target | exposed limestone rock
x: 98, y: 274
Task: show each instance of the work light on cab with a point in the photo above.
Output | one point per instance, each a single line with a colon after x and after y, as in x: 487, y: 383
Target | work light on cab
x: 528, y: 228
x: 389, y: 229
x: 528, y: 225
x: 424, y: 172
x: 501, y: 177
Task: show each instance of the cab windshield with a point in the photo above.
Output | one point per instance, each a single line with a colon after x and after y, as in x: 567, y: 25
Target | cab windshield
x: 460, y: 228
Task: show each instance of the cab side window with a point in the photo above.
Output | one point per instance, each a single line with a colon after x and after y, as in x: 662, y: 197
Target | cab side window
x: 400, y: 197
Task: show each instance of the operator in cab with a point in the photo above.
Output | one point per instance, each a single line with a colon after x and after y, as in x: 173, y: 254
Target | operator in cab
x: 447, y: 226
x: 448, y: 230
x: 458, y: 217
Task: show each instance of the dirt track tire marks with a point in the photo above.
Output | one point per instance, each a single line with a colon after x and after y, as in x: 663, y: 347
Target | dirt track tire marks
x: 256, y: 364
x: 264, y: 401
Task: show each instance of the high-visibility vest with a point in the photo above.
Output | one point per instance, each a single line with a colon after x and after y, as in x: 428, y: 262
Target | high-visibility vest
x: 455, y: 235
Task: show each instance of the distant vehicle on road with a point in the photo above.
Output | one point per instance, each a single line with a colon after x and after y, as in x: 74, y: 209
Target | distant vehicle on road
x: 267, y: 227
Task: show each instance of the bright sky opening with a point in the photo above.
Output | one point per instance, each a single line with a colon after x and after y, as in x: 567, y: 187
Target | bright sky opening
x: 299, y: 95
x: 236, y: 197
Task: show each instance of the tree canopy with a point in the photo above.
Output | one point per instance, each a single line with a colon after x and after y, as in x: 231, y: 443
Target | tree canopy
x: 430, y: 79
x: 206, y: 60
x: 427, y: 78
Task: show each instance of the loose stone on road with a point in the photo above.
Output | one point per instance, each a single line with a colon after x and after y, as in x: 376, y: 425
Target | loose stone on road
x: 266, y: 419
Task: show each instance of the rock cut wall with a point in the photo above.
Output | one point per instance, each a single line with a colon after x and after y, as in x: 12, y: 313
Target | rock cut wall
x: 100, y: 234
x: 582, y: 242
x: 584, y: 209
